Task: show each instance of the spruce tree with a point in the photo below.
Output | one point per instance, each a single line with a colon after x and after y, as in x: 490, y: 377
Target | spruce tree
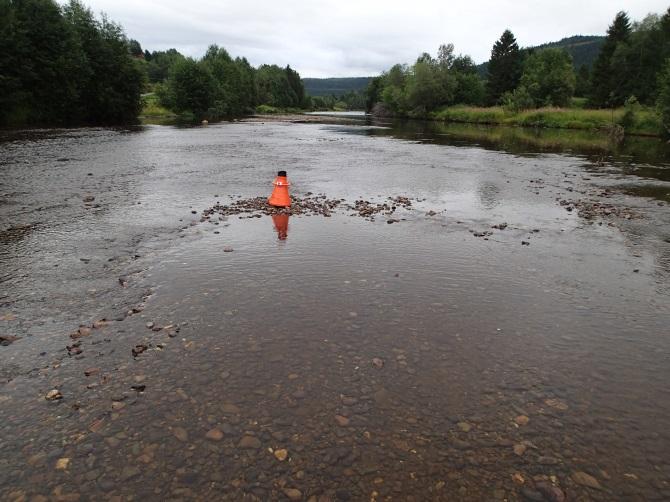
x: 505, y: 67
x: 605, y: 79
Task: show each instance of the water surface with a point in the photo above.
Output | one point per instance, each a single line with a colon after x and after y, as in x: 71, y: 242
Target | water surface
x: 435, y: 358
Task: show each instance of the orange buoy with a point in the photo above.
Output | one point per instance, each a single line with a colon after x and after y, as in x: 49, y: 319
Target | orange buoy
x: 281, y: 225
x: 280, y: 196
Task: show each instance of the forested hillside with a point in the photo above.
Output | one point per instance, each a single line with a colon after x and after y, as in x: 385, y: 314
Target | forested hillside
x: 335, y: 86
x: 583, y: 50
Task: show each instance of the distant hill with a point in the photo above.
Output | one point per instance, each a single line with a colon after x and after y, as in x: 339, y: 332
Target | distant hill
x: 583, y: 49
x: 335, y: 86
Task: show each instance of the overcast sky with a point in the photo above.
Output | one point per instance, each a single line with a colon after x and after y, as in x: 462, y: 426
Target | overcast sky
x: 339, y: 38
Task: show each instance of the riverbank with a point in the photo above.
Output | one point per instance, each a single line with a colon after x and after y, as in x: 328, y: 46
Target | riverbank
x: 643, y: 122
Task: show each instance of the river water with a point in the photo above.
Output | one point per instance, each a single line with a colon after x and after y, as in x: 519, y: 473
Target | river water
x: 334, y: 357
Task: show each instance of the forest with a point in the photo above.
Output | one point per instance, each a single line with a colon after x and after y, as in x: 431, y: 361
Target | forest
x: 631, y: 72
x: 62, y: 65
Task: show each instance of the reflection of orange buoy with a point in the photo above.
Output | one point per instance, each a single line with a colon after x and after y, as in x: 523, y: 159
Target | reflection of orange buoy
x: 281, y: 225
x: 280, y: 196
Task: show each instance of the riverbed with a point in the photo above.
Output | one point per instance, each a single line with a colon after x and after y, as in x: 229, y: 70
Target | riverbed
x: 479, y: 314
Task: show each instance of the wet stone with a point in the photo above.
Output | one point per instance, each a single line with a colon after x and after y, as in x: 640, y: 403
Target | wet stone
x: 214, y: 435
x: 584, y: 479
x: 180, y: 433
x: 249, y: 443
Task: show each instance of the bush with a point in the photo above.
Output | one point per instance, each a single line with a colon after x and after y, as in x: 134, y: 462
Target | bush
x: 518, y: 100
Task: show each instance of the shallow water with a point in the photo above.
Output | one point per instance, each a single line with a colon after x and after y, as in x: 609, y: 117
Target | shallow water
x: 390, y: 361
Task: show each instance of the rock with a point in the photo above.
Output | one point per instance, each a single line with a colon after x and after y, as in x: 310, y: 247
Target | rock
x: 89, y: 198
x: 341, y: 420
x: 227, y: 249
x: 531, y: 495
x: 214, y: 435
x: 521, y: 420
x: 281, y: 454
x: 230, y: 409
x: 91, y: 371
x: 149, y: 325
x: 551, y: 493
x: 180, y: 433
x: 293, y: 493
x: 7, y: 339
x: 62, y: 464
x: 53, y: 395
x: 548, y: 460
x: 249, y: 443
x: 581, y: 478
x: 138, y: 349
x: 464, y: 426
x: 377, y: 362
x: 519, y: 449
x: 556, y: 403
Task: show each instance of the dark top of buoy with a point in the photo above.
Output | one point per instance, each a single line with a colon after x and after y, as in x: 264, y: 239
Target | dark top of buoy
x: 282, y: 173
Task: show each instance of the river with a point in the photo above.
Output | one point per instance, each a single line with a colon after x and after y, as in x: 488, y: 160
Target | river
x: 459, y: 313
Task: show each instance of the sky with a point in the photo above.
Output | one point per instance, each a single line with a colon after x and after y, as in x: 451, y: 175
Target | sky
x: 338, y: 38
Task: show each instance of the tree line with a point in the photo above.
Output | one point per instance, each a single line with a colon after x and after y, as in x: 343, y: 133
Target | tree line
x: 62, y: 65
x: 632, y: 66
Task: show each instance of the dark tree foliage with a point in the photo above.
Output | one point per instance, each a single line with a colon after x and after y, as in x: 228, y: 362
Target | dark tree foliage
x: 583, y: 82
x: 158, y: 64
x: 63, y: 66
x: 280, y: 87
x: 505, y: 67
x: 135, y: 49
x: 548, y: 77
x: 606, y: 87
x: 373, y: 93
x: 427, y: 85
x: 663, y: 100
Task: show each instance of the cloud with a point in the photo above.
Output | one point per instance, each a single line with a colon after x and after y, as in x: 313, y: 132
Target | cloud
x: 323, y: 38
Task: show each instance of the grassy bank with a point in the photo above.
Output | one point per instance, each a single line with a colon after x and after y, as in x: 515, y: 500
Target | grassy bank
x: 152, y: 110
x: 643, y: 121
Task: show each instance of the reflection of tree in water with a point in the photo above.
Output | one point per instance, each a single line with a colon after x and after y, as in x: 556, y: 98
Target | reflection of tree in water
x: 489, y: 195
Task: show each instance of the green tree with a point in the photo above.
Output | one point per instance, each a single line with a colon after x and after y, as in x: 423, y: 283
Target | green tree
x: 606, y: 80
x: 190, y: 89
x: 663, y: 100
x: 583, y: 82
x: 549, y: 78
x: 505, y: 67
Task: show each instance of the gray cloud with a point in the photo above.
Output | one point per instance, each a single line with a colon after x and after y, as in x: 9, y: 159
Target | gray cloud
x: 323, y: 38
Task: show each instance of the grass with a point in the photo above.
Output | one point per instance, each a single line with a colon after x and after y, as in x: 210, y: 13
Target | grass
x: 151, y: 109
x: 273, y: 110
x: 645, y: 122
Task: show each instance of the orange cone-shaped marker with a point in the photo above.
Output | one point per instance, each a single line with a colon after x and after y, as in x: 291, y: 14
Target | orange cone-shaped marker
x: 280, y: 196
x: 281, y: 225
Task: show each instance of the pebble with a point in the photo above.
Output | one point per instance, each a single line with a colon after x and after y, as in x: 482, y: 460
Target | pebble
x: 341, y: 421
x: 464, y: 426
x: 53, y: 395
x: 281, y: 454
x: 249, y: 443
x: 180, y: 433
x: 581, y: 478
x: 521, y: 420
x: 214, y: 435
x: 62, y: 463
x: 91, y: 371
x: 377, y: 362
x: 293, y: 493
x: 519, y: 449
x: 227, y: 249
